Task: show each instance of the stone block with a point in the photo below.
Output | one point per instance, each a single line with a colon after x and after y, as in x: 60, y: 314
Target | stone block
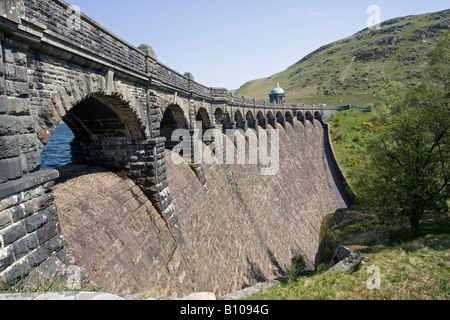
x: 17, y: 89
x: 36, y: 257
x: 55, y: 244
x: 9, y: 147
x: 6, y: 257
x: 36, y: 221
x: 31, y: 161
x: 12, y: 233
x: 9, y: 125
x: 22, y: 211
x: 29, y: 143
x: 49, y: 231
x: 10, y: 169
x: 25, y: 245
x: 20, y: 58
x: 9, y: 56
x: 44, y: 201
x: 10, y: 71
x: 18, y: 107
x: 3, y: 104
x: 5, y: 218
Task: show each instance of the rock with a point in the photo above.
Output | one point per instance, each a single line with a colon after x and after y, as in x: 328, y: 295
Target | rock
x: 244, y: 293
x: 201, y: 296
x: 345, y: 259
x: 73, y: 278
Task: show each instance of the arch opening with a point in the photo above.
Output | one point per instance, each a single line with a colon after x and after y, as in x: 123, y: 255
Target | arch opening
x: 92, y: 121
x: 309, y: 117
x: 100, y: 118
x: 173, y: 119
x: 280, y: 118
x: 203, y: 116
x: 318, y: 116
x: 250, y: 120
x: 271, y: 119
x: 239, y: 119
x: 261, y: 120
x: 301, y: 117
x: 289, y: 118
x: 219, y: 116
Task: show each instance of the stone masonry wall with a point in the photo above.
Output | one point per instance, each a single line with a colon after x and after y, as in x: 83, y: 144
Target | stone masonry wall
x: 29, y: 226
x: 113, y: 230
x: 244, y: 228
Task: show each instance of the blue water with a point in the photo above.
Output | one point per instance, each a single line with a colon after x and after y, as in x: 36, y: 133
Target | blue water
x: 57, y: 151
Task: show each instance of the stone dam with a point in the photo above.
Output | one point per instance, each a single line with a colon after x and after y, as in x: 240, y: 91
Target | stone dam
x: 237, y: 232
x: 131, y: 212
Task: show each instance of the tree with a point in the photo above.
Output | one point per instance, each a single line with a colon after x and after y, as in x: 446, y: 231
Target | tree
x: 409, y: 171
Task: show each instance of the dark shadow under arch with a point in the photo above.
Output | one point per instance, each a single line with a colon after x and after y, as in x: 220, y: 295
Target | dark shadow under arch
x: 100, y: 118
x: 203, y: 116
x: 173, y: 119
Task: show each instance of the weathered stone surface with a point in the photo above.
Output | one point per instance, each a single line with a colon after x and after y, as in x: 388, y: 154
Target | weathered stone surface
x: 345, y: 259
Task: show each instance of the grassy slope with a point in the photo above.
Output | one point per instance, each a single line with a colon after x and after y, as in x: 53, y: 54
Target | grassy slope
x: 351, y: 70
x: 348, y: 133
x: 409, y: 270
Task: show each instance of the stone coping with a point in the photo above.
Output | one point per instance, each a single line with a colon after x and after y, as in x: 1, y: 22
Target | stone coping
x: 27, y: 181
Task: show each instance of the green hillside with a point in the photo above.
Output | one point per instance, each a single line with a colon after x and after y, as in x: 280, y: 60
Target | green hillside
x: 351, y: 70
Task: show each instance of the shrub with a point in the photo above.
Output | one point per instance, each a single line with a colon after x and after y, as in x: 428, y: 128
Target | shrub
x: 298, y: 266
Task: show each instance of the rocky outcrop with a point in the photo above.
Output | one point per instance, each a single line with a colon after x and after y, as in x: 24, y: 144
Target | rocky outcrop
x: 345, y: 259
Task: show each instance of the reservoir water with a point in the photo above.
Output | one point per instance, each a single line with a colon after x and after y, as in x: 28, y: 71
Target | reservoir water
x: 57, y: 151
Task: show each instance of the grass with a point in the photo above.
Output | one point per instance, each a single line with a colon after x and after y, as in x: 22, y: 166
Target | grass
x: 51, y: 283
x: 349, y: 131
x: 409, y: 270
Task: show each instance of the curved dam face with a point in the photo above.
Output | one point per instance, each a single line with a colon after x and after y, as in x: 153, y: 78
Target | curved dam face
x: 238, y: 228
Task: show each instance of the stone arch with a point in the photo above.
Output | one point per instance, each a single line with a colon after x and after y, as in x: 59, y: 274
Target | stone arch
x: 239, y: 119
x: 172, y: 119
x: 261, y: 120
x: 238, y: 116
x: 280, y: 118
x: 203, y: 116
x: 289, y: 118
x: 226, y: 118
x: 318, y: 116
x: 301, y: 117
x: 219, y: 116
x: 104, y: 118
x: 309, y: 117
x: 250, y: 118
x: 271, y: 119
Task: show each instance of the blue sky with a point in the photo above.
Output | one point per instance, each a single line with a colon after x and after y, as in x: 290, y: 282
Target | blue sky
x: 225, y: 43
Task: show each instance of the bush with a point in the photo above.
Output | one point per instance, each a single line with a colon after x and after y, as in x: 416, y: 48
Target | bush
x: 298, y: 266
